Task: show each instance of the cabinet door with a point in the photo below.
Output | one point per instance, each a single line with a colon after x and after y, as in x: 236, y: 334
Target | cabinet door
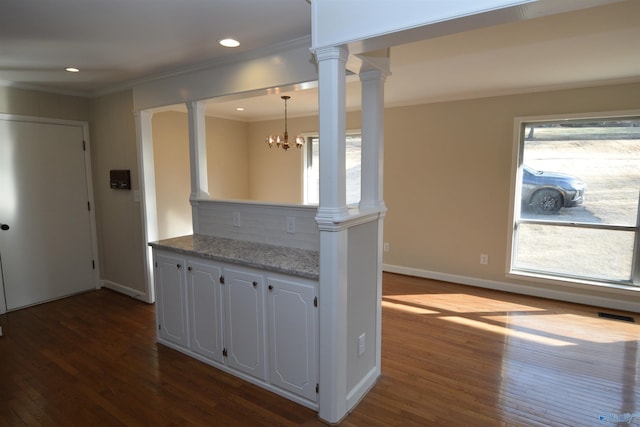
x: 205, y: 309
x: 244, y: 317
x: 171, y: 299
x: 292, y: 336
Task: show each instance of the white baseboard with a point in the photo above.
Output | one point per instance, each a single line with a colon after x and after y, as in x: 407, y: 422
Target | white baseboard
x: 618, y: 301
x: 134, y: 293
x: 362, y: 388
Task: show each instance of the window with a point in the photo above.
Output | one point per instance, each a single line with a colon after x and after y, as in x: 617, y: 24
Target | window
x: 576, y: 199
x: 353, y: 166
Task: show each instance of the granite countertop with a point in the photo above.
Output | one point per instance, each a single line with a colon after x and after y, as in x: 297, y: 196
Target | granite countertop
x: 280, y: 259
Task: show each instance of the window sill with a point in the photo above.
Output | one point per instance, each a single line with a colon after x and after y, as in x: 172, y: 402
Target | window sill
x: 571, y: 282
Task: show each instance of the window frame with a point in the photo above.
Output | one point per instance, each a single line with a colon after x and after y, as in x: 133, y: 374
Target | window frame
x: 308, y: 156
x: 515, y: 210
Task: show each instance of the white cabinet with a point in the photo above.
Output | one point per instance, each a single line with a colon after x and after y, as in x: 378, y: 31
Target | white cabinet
x: 171, y: 310
x: 204, y: 299
x: 292, y: 336
x: 245, y: 322
x: 260, y: 326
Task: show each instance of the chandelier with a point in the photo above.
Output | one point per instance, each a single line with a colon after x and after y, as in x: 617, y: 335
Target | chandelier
x: 282, y: 141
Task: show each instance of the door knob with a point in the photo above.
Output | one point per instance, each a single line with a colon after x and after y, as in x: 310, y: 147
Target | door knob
x: 4, y: 227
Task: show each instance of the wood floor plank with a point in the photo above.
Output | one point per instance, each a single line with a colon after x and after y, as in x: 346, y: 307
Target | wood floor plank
x: 451, y: 356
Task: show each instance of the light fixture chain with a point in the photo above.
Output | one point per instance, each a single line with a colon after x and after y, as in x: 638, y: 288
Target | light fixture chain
x: 283, y: 142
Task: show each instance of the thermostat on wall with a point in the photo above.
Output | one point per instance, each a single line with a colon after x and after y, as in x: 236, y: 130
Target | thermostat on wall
x: 120, y: 179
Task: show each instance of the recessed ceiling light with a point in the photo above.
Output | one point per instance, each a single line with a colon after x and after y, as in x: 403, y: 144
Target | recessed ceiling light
x: 72, y: 69
x: 229, y: 43
x: 239, y: 109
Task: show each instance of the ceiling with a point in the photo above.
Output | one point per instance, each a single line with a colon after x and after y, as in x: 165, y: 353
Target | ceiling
x: 117, y: 43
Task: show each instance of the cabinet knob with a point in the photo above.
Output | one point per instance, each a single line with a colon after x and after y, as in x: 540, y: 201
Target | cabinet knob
x: 255, y: 284
x: 179, y: 265
x: 189, y: 268
x: 270, y: 287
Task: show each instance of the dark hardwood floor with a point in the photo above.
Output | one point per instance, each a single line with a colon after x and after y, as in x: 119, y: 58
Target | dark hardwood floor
x: 452, y: 356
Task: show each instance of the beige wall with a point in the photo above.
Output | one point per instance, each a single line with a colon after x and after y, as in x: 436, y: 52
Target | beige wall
x: 277, y: 175
x: 227, y: 167
x: 240, y: 165
x: 113, y: 146
x: 171, y: 164
x: 118, y: 215
x: 27, y: 102
x: 447, y: 176
x: 227, y: 154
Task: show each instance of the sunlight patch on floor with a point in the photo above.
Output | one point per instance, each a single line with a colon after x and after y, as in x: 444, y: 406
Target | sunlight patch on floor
x: 407, y: 308
x: 571, y: 326
x: 449, y: 302
x: 506, y: 331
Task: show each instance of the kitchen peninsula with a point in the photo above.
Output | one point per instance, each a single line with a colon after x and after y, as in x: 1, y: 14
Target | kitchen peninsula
x: 249, y: 308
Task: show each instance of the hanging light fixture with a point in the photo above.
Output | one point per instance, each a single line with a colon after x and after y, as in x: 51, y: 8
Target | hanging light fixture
x: 282, y: 141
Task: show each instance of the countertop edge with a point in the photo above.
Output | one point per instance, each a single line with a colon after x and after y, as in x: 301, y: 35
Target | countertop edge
x: 248, y: 260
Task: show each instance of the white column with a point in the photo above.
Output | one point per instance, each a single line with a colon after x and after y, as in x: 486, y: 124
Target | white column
x: 332, y: 118
x: 332, y: 306
x: 197, y: 158
x: 144, y: 142
x: 372, y: 176
x: 372, y: 140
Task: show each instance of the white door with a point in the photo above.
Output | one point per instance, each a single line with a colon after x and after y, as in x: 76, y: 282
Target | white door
x: 245, y: 328
x: 171, y: 299
x: 46, y: 252
x: 205, y: 309
x: 292, y: 336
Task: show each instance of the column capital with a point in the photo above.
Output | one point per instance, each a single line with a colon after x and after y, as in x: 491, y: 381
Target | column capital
x: 195, y: 105
x: 370, y: 75
x: 140, y: 114
x: 340, y: 53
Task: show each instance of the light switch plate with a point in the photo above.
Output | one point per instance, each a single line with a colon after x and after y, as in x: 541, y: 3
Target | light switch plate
x: 291, y: 224
x: 362, y: 346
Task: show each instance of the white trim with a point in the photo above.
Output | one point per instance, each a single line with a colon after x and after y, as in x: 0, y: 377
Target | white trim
x: 628, y: 300
x: 578, y: 116
x: 514, y: 196
x: 126, y: 290
x: 277, y: 68
x: 355, y: 217
x: 355, y: 395
x: 263, y: 205
x: 148, y: 210
x: 36, y: 119
x: 92, y: 212
x: 215, y: 63
x: 46, y: 89
x: 3, y: 302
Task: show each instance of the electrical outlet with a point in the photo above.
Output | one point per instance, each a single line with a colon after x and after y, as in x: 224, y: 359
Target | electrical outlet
x: 385, y: 247
x: 291, y: 224
x: 362, y: 346
x: 484, y: 259
x: 236, y: 219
